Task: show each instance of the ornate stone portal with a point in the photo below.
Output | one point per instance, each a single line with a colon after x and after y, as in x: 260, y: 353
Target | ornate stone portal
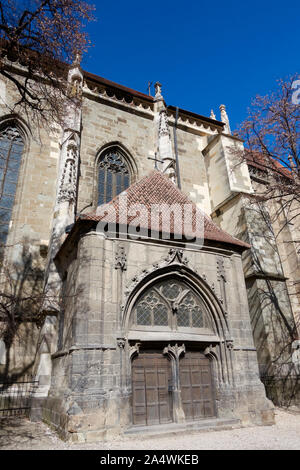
x: 82, y: 358
x: 153, y: 348
x: 171, y: 385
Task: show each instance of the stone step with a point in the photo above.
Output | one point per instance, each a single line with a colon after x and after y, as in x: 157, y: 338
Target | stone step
x: 165, y: 430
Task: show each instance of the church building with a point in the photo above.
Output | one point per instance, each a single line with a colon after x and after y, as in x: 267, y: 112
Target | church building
x: 138, y: 213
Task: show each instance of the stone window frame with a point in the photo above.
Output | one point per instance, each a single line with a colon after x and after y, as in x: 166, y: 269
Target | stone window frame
x: 129, y: 162
x: 172, y: 307
x: 13, y: 120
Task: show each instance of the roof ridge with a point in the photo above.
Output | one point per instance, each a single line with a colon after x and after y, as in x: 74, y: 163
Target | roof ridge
x: 106, y: 81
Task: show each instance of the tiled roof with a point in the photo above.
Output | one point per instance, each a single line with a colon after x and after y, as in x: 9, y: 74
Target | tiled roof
x: 157, y: 189
x: 266, y: 163
x: 104, y: 81
x: 131, y: 92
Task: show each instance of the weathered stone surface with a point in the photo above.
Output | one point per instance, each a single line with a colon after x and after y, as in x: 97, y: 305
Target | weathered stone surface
x: 88, y: 346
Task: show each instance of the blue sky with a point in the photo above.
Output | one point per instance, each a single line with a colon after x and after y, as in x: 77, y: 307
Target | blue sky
x: 204, y: 53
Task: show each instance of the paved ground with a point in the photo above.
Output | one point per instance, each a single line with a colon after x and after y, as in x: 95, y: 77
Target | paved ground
x: 285, y: 434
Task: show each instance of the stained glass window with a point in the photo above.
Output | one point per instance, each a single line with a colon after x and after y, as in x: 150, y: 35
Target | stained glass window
x: 151, y: 309
x: 113, y: 175
x: 11, y: 149
x: 171, y: 303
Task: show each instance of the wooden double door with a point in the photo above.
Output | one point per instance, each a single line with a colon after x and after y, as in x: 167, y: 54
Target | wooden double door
x: 153, y: 387
x: 151, y: 383
x: 196, y: 386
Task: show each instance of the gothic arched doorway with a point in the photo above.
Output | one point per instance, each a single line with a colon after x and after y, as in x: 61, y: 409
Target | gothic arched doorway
x: 172, y: 377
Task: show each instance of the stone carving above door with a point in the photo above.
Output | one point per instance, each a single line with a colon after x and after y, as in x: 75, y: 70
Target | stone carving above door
x: 175, y: 256
x: 175, y: 350
x: 134, y: 350
x: 121, y: 259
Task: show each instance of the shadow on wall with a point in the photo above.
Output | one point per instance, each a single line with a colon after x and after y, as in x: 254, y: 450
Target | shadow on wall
x: 22, y: 295
x: 275, y: 334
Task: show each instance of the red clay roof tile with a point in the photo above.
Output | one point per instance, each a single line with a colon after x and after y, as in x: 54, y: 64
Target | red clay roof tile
x: 157, y: 189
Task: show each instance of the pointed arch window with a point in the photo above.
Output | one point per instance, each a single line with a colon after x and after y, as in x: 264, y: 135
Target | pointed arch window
x: 113, y: 175
x: 11, y: 150
x: 171, y: 303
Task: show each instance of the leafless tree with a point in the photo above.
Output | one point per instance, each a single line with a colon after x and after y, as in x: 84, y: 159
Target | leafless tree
x: 271, y: 134
x: 38, y: 39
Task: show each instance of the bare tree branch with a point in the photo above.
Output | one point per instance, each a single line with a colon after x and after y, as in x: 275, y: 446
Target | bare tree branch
x: 44, y: 37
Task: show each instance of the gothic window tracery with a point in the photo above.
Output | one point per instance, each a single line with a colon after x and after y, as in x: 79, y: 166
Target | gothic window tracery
x: 113, y: 175
x: 11, y: 149
x: 171, y: 303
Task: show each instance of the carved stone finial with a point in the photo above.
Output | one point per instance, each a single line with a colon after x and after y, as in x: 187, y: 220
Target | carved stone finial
x: 175, y: 350
x: 163, y: 124
x: 75, y: 78
x: 157, y: 87
x: 166, y: 160
x: 212, y: 114
x: 229, y: 344
x: 292, y: 162
x: 68, y: 178
x: 167, y: 163
x: 221, y: 269
x: 135, y: 349
x: 175, y: 255
x: 209, y: 349
x: 77, y: 60
x: 120, y: 259
x: 225, y: 119
x: 121, y: 342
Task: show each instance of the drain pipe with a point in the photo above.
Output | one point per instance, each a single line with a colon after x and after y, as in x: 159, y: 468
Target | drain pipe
x: 176, y: 150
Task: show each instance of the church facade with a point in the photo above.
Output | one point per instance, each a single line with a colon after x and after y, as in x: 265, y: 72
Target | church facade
x: 147, y: 326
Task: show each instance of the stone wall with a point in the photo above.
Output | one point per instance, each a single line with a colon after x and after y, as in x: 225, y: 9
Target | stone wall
x: 136, y: 133
x: 34, y: 202
x: 270, y: 269
x: 105, y: 120
x: 91, y: 382
x: 209, y: 175
x: 192, y: 168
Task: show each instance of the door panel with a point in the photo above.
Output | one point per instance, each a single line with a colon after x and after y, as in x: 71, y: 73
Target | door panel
x: 186, y: 390
x: 138, y: 379
x: 196, y: 386
x: 151, y: 400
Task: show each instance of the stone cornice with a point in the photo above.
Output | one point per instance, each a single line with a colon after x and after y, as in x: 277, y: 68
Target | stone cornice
x: 218, y: 137
x: 266, y: 276
x: 194, y: 119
